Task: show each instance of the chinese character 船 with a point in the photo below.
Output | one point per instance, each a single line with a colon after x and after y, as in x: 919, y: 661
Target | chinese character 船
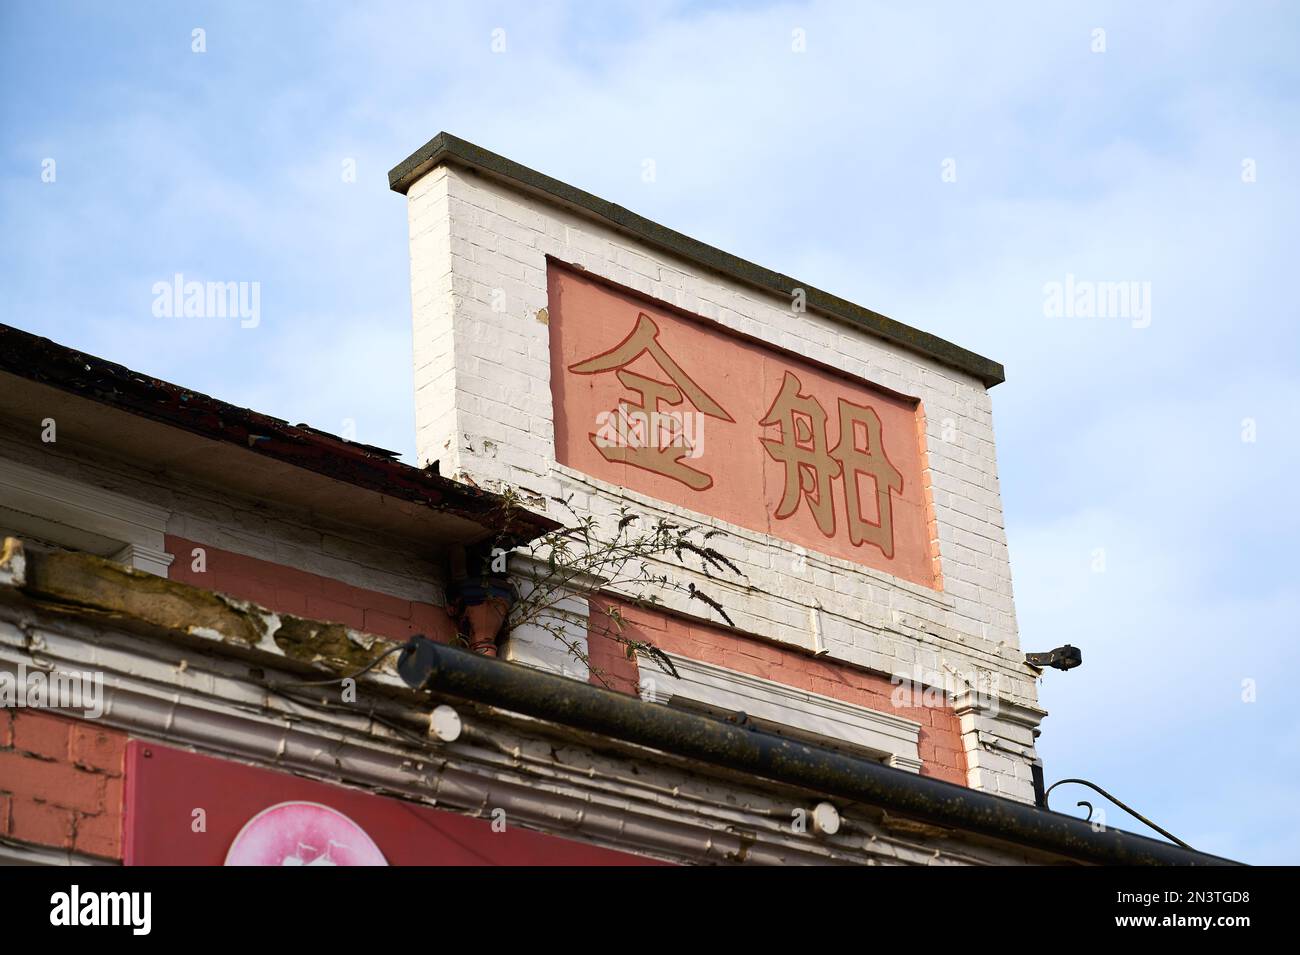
x: 811, y: 466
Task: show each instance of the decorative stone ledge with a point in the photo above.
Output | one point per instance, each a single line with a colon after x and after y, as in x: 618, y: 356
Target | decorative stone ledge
x: 892, y: 739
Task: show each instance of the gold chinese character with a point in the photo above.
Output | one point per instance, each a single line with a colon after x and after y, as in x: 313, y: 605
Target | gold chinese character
x: 872, y: 462
x: 811, y: 467
x: 647, y: 437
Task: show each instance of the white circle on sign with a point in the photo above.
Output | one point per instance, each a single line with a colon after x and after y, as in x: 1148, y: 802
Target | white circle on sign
x: 303, y: 834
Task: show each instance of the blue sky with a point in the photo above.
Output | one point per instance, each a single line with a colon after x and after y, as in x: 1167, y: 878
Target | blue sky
x: 1122, y: 165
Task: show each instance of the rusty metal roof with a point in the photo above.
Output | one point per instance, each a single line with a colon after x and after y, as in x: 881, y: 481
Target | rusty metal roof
x: 46, y: 362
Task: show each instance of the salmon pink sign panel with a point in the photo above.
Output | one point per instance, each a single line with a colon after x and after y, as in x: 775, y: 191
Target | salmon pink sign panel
x: 680, y: 409
x: 251, y: 816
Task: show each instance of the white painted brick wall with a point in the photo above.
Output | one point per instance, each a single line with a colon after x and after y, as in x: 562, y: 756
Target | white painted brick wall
x: 485, y: 413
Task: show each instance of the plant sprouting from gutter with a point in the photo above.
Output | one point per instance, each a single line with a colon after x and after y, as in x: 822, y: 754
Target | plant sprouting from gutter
x: 622, y: 557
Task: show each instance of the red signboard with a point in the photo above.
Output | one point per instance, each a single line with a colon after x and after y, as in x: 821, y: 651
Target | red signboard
x: 186, y: 809
x: 685, y: 411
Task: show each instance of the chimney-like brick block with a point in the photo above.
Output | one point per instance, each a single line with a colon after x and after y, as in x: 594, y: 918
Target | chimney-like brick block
x: 483, y: 250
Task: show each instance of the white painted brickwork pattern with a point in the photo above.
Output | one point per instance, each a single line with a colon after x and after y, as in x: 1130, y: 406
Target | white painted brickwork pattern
x: 435, y: 373
x: 478, y: 261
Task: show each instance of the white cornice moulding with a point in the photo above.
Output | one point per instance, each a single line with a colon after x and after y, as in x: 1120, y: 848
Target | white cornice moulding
x: 535, y: 570
x: 139, y: 527
x: 891, y: 738
x: 149, y: 559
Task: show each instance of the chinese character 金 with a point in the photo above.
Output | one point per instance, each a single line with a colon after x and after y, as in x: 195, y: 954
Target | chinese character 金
x: 811, y: 466
x: 651, y: 452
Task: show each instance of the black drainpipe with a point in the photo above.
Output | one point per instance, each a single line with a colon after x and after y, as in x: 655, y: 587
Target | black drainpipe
x: 546, y: 696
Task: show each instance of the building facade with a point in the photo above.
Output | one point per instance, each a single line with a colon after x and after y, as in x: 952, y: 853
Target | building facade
x: 517, y: 278
x: 699, y: 565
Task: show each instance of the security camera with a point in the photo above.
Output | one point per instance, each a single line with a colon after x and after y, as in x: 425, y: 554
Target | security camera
x: 1062, y: 658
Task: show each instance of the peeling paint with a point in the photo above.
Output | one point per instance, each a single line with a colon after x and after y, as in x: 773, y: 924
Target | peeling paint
x: 13, y: 563
x: 311, y: 641
x: 93, y: 584
x: 100, y: 585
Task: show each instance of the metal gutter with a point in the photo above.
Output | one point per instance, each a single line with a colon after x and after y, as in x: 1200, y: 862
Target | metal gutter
x: 447, y: 670
x: 446, y: 148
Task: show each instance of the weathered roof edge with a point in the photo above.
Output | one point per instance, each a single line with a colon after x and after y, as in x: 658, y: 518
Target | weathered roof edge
x: 69, y: 584
x: 58, y: 366
x: 446, y: 148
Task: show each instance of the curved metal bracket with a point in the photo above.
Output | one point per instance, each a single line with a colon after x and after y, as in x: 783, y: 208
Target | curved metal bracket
x: 1128, y: 809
